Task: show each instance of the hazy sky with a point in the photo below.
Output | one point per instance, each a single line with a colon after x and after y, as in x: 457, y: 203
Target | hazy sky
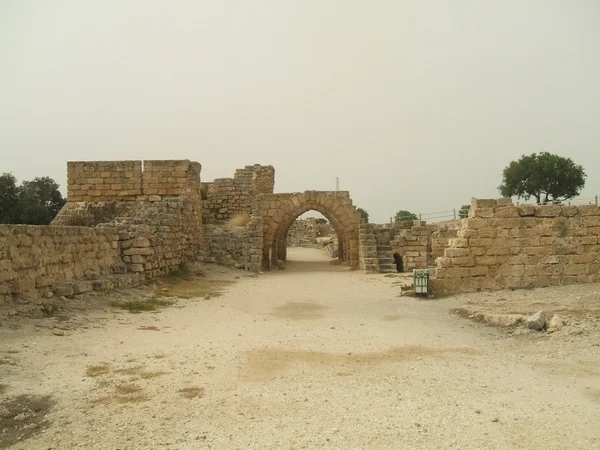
x: 414, y: 105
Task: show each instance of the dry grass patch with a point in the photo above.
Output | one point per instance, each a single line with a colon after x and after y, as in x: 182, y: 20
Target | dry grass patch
x: 159, y: 355
x: 190, y: 286
x: 3, y: 388
x: 239, y: 220
x: 96, y: 370
x: 130, y: 370
x: 126, y: 389
x: 149, y: 328
x: 146, y: 375
x: 192, y: 392
x: 13, y: 351
x: 137, y: 306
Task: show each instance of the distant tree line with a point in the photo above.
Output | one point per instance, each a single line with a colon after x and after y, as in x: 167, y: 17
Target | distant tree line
x: 34, y: 202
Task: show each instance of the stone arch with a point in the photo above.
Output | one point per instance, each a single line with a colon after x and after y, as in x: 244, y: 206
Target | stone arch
x: 335, y: 206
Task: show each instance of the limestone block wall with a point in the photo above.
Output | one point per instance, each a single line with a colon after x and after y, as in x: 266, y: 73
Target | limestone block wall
x: 125, y: 181
x: 158, y: 231
x: 224, y: 198
x: 239, y: 247
x: 504, y: 246
x: 38, y: 261
x: 303, y: 233
x: 104, y: 181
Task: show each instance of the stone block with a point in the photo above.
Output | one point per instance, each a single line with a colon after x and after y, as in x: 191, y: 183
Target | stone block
x: 63, y: 289
x: 548, y: 211
x: 506, y: 212
x: 526, y: 210
x: 463, y: 261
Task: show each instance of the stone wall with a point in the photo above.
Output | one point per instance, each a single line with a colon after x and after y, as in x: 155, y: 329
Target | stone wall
x: 504, y: 246
x: 104, y: 181
x: 38, y: 261
x: 239, y: 247
x: 161, y: 229
x: 125, y: 181
x: 302, y: 233
x: 225, y: 198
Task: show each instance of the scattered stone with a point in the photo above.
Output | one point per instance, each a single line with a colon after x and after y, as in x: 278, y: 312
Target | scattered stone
x: 5, y: 413
x: 537, y: 322
x: 20, y: 417
x: 58, y: 332
x: 555, y: 324
x: 207, y: 297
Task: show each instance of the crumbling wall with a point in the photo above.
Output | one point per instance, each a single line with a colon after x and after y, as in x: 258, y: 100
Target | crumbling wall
x: 239, y: 247
x: 504, y: 246
x: 37, y: 261
x: 303, y: 233
x: 225, y: 198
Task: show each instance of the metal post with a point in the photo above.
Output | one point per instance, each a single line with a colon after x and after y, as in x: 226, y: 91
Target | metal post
x: 419, y: 216
x: 454, y: 210
x: 337, y: 184
x: 596, y: 200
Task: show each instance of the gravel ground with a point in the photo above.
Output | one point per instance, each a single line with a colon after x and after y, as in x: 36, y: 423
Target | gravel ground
x: 315, y: 356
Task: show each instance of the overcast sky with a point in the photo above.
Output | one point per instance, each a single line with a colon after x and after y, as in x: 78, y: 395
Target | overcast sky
x: 414, y: 105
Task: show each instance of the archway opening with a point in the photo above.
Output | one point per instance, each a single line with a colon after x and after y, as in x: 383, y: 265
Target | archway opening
x: 312, y: 243
x: 335, y: 207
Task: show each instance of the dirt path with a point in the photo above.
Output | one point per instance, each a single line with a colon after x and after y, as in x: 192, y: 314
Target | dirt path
x: 314, y: 356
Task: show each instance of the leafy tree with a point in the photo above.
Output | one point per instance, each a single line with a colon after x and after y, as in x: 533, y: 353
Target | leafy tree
x: 321, y: 220
x: 35, y: 202
x: 363, y: 214
x: 9, y: 198
x: 463, y: 213
x: 547, y: 177
x: 405, y: 215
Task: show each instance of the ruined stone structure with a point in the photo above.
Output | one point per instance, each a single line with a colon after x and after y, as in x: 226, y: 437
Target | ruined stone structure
x: 303, y: 233
x: 130, y: 221
x: 281, y: 210
x: 416, y: 242
x: 504, y: 246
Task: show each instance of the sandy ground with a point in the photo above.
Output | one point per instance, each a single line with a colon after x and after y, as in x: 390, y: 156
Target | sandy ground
x: 315, y: 356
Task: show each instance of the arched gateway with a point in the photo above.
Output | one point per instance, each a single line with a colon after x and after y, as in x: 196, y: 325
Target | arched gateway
x: 279, y: 211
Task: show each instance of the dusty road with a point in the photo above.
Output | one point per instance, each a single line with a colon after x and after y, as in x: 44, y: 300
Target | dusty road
x: 314, y: 356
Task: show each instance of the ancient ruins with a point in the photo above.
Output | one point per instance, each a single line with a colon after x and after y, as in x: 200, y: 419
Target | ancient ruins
x: 129, y: 221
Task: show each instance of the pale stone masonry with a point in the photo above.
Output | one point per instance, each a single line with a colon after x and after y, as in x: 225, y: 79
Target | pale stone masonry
x: 502, y: 245
x: 130, y: 221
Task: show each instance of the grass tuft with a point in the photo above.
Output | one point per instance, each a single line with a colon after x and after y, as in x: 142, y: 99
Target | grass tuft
x: 97, y: 370
x: 192, y: 392
x: 137, y: 306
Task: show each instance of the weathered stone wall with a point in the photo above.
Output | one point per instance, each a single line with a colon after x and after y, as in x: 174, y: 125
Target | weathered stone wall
x: 161, y: 229
x: 38, y: 261
x: 104, y: 181
x: 239, y: 247
x: 124, y: 181
x: 303, y: 233
x: 225, y: 198
x: 504, y: 246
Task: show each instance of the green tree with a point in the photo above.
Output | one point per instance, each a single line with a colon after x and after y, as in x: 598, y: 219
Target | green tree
x: 463, y: 213
x: 544, y: 176
x: 405, y: 215
x: 35, y: 202
x: 363, y: 214
x: 9, y: 198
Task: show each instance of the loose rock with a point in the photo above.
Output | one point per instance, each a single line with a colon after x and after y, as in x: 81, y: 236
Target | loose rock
x: 555, y: 324
x: 537, y: 321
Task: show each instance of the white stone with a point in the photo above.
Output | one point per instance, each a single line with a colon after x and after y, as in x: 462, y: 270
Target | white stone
x: 537, y: 321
